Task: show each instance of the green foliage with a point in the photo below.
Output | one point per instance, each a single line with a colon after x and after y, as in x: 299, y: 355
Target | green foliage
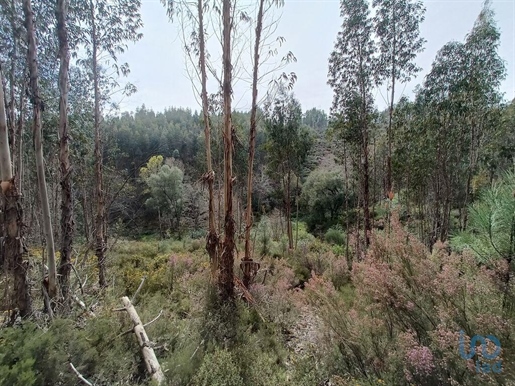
x: 218, y: 369
x: 33, y: 356
x: 323, y: 199
x: 316, y: 119
x: 335, y: 236
x: 491, y: 228
x: 166, y: 188
x: 263, y: 236
x: 397, y: 25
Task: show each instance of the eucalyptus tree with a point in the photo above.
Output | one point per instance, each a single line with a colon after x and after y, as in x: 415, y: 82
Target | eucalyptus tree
x: 288, y: 145
x: 316, y: 119
x: 105, y: 27
x: 484, y: 70
x: 226, y: 276
x: 397, y: 27
x: 459, y: 109
x: 61, y: 12
x: 11, y: 229
x: 264, y: 32
x: 351, y: 76
x: 439, y: 108
x: 197, y: 47
x: 12, y: 46
x: 37, y: 104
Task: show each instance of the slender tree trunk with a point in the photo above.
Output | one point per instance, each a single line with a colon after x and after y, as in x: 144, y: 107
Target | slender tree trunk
x: 12, y: 104
x: 99, y: 191
x: 21, y: 123
x: 85, y: 212
x: 212, y: 236
x: 252, y: 142
x: 38, y: 147
x: 389, y: 187
x: 226, y: 278
x: 365, y: 175
x: 288, y: 211
x: 347, y: 228
x: 13, y: 247
x: 297, y: 214
x: 64, y: 151
x: 5, y: 152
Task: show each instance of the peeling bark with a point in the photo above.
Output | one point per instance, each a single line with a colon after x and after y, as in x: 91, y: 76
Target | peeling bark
x: 38, y: 146
x: 99, y: 192
x: 252, y: 144
x: 226, y: 276
x: 64, y: 151
x: 12, y: 227
x: 212, y: 239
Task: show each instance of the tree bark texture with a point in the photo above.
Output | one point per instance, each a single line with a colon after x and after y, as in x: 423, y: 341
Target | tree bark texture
x: 64, y: 151
x: 99, y: 192
x: 38, y: 147
x: 226, y: 275
x: 12, y: 227
x: 212, y: 236
x: 252, y: 143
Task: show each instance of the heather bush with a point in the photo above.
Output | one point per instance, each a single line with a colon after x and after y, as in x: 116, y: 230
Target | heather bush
x: 409, y: 308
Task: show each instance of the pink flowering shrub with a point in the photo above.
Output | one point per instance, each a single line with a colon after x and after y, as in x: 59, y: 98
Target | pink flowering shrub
x: 410, y: 305
x: 273, y: 292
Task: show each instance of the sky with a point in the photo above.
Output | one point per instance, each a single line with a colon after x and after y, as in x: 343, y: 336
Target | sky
x: 158, y: 64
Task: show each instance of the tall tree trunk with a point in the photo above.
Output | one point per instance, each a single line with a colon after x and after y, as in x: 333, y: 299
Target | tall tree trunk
x: 13, y: 247
x: 252, y: 144
x: 365, y: 177
x: 99, y: 192
x: 389, y: 187
x: 347, y: 227
x: 289, y: 230
x: 212, y: 236
x: 38, y: 147
x: 19, y: 134
x: 12, y: 104
x: 64, y: 151
x: 226, y: 277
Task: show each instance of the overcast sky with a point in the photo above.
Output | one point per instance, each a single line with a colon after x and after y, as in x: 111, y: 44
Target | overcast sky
x: 157, y: 61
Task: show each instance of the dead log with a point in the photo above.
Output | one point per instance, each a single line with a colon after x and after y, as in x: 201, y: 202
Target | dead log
x: 149, y: 356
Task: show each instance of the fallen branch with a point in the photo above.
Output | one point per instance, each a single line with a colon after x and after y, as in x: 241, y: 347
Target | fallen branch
x: 79, y: 375
x: 149, y: 356
x: 139, y: 288
x: 153, y: 320
x: 78, y: 278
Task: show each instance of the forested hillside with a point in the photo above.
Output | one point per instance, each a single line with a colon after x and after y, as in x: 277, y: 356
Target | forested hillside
x: 277, y: 245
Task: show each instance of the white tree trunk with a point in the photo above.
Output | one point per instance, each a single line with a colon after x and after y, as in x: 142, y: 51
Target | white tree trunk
x: 149, y: 356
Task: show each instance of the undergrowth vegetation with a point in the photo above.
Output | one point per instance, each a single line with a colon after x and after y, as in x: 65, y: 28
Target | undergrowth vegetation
x: 394, y: 319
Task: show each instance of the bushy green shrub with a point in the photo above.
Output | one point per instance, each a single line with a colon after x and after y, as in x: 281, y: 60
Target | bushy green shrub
x: 30, y: 355
x: 218, y: 369
x: 335, y: 236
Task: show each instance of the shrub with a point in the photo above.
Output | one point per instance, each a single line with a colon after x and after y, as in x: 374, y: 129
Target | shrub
x: 335, y: 236
x: 218, y: 369
x: 408, y: 309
